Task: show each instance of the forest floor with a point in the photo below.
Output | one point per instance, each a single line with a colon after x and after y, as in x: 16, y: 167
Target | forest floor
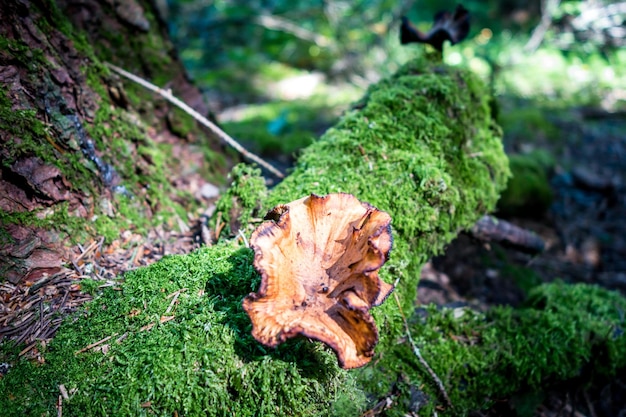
x: 584, y: 230
x: 585, y: 234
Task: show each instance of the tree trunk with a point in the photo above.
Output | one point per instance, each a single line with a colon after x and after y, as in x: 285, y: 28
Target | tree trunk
x: 81, y: 153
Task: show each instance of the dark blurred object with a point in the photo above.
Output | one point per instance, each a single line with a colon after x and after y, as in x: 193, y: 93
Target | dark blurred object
x: 528, y: 193
x: 446, y: 27
x: 587, y: 179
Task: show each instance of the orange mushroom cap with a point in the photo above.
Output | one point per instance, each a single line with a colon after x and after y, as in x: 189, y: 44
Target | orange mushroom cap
x: 319, y: 259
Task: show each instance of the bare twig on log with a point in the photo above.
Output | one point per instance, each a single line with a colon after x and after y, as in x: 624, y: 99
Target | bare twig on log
x: 174, y: 299
x: 64, y: 392
x: 491, y: 229
x: 201, y: 119
x: 421, y: 359
x: 163, y: 319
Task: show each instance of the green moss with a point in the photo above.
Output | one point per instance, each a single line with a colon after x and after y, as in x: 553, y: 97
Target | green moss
x: 425, y: 149
x: 562, y: 332
x: 144, y: 197
x: 58, y: 218
x: 204, y: 362
x: 89, y: 286
x: 114, y: 131
x: 243, y: 200
x: 5, y: 237
x: 27, y: 133
x: 528, y: 192
x: 24, y: 54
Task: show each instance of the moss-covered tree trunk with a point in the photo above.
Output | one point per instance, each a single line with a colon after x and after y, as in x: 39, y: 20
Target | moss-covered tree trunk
x: 82, y: 154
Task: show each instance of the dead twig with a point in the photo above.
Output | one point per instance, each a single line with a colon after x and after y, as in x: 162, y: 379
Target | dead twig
x: 27, y: 349
x: 491, y: 229
x: 93, y: 345
x: 245, y: 241
x: 547, y: 11
x: 175, y: 297
x: 418, y: 354
x: 219, y: 226
x: 87, y: 251
x: 201, y: 119
x: 63, y: 391
x: 163, y: 319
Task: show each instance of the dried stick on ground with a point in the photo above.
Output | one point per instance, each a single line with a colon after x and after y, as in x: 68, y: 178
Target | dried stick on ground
x: 201, y: 119
x: 491, y: 229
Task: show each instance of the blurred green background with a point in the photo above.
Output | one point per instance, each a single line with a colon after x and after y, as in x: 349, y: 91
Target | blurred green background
x: 277, y: 73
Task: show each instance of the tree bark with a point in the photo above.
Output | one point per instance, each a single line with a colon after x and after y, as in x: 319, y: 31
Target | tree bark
x: 80, y: 149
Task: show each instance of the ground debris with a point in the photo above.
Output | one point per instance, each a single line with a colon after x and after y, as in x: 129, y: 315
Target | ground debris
x: 31, y: 311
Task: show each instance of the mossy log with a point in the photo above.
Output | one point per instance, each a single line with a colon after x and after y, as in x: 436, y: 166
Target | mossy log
x: 422, y: 146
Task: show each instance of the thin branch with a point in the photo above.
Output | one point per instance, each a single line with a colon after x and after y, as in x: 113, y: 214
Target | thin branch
x: 201, y: 119
x: 283, y: 25
x: 93, y: 345
x: 245, y: 241
x: 417, y: 353
x: 549, y: 7
x: 491, y: 229
x: 174, y: 296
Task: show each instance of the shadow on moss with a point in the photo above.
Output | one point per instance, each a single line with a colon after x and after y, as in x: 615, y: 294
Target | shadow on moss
x: 228, y: 289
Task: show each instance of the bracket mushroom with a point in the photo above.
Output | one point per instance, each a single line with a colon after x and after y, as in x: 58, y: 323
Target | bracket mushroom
x: 319, y: 259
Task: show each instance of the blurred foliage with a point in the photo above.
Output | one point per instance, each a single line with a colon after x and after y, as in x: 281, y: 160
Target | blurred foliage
x: 297, y: 64
x: 227, y: 44
x: 528, y: 191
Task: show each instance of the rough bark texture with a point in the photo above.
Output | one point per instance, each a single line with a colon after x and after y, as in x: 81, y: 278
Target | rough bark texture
x: 80, y: 150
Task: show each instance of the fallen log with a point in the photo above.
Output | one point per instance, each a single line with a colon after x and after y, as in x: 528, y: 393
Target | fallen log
x: 423, y: 147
